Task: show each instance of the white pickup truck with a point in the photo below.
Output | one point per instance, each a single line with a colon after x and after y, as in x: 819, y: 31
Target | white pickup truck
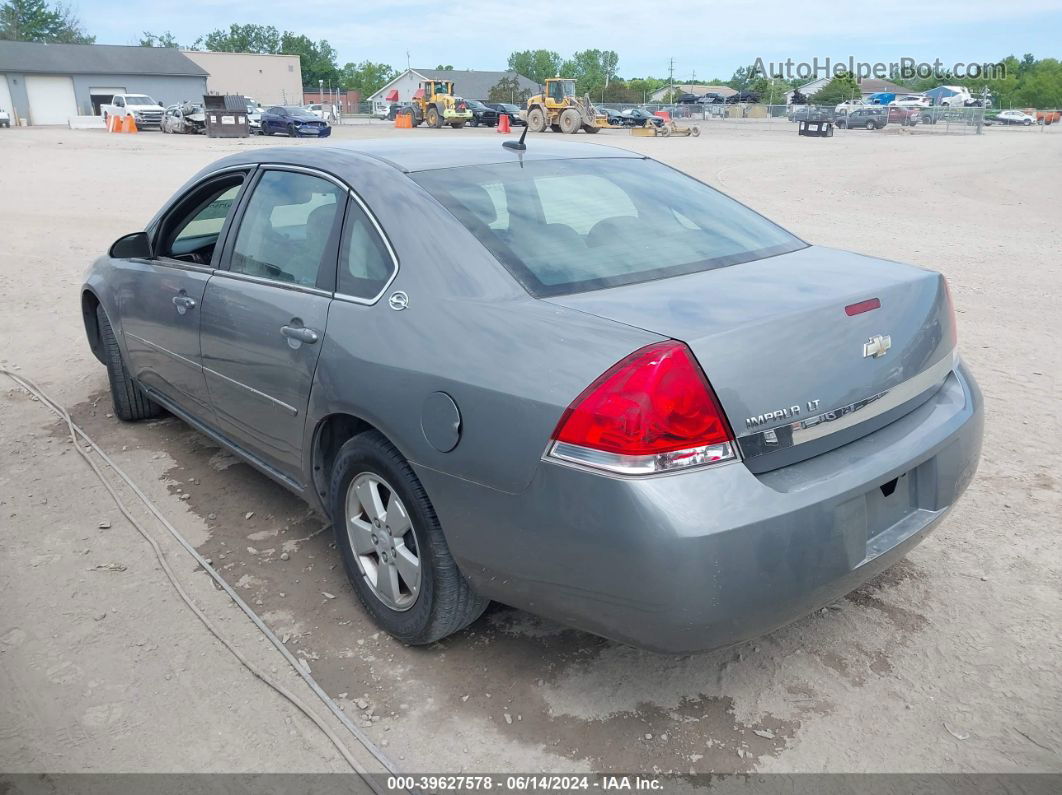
x: 146, y: 112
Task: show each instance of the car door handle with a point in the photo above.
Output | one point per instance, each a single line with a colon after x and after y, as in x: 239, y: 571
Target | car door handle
x: 300, y: 333
x: 183, y: 301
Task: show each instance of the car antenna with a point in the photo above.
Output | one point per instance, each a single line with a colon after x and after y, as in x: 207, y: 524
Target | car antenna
x: 519, y: 146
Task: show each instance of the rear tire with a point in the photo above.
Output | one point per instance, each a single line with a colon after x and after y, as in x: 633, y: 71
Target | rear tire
x: 444, y: 602
x: 130, y: 401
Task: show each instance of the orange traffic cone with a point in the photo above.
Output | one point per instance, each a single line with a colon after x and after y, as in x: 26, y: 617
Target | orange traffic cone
x: 129, y: 126
x: 503, y: 123
x: 114, y: 124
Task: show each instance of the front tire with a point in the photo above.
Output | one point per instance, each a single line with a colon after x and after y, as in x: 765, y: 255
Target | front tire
x: 434, y: 119
x: 393, y: 547
x: 536, y: 120
x: 130, y: 401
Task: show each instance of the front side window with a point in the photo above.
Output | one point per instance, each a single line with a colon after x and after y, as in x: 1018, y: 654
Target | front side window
x: 567, y: 226
x: 190, y: 232
x: 287, y: 228
x: 365, y: 263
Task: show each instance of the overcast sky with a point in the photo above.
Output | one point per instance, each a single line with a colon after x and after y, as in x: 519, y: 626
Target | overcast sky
x: 707, y: 38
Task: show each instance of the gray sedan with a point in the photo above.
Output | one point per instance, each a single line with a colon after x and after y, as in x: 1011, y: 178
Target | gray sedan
x: 570, y: 379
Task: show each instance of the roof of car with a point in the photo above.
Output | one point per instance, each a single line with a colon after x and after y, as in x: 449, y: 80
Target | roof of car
x: 427, y: 155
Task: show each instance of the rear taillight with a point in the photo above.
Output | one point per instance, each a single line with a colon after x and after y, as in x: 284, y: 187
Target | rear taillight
x: 651, y: 412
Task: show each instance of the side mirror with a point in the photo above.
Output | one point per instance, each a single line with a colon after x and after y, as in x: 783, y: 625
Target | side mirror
x: 161, y: 105
x: 134, y: 246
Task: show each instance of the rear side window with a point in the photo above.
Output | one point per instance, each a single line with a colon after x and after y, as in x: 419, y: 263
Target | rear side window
x: 567, y: 226
x: 287, y: 229
x: 365, y: 263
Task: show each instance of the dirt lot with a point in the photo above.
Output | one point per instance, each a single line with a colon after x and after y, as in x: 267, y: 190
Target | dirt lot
x: 948, y: 662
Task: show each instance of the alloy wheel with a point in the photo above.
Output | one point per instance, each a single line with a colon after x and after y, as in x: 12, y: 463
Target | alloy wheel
x: 384, y: 544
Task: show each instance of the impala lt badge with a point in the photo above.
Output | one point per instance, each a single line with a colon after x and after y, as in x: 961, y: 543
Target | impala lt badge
x: 877, y: 346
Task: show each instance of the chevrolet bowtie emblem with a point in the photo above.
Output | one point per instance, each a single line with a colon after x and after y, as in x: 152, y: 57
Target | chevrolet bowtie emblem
x: 877, y: 346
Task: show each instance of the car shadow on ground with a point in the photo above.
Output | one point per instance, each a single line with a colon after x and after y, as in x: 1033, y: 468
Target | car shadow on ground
x: 573, y: 694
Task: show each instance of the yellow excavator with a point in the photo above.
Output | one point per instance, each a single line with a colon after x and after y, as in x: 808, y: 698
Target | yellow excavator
x: 434, y: 102
x: 560, y: 110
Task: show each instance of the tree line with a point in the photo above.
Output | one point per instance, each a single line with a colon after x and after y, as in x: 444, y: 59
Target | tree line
x: 1026, y: 82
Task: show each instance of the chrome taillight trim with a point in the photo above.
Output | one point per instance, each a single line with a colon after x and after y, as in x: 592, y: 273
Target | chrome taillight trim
x: 641, y: 465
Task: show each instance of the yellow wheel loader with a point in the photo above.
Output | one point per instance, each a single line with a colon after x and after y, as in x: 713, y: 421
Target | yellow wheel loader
x: 435, y: 103
x: 560, y: 110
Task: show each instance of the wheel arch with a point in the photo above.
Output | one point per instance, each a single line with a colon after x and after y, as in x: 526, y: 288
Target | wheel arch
x: 90, y: 302
x: 330, y: 434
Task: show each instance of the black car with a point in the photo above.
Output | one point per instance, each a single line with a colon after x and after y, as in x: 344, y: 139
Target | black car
x: 510, y: 110
x: 616, y: 119
x: 711, y: 98
x: 743, y: 96
x: 640, y: 117
x: 482, y: 114
x: 294, y: 121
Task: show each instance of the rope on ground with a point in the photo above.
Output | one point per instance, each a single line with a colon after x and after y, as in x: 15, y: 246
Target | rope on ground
x: 362, y: 738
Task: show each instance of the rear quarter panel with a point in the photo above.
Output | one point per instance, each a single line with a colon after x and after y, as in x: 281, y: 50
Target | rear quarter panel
x: 511, y: 363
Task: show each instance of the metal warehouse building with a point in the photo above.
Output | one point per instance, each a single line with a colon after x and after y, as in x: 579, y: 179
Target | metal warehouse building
x: 49, y: 83
x: 469, y: 84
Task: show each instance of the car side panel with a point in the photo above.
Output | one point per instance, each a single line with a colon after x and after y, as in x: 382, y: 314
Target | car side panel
x: 511, y: 368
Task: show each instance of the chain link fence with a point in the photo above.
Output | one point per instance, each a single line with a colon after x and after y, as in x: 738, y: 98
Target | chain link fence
x: 935, y: 120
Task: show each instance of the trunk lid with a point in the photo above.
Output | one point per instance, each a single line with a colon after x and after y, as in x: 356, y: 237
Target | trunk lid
x: 795, y: 374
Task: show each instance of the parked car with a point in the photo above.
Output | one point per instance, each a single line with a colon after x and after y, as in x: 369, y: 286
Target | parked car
x: 317, y: 109
x: 880, y: 98
x: 184, y: 118
x: 869, y: 118
x: 295, y: 121
x: 5, y: 118
x: 905, y: 117
x: 482, y: 114
x: 617, y: 119
x: 711, y: 98
x: 911, y: 101
x: 743, y: 96
x: 681, y: 475
x: 640, y: 117
x: 849, y: 105
x: 510, y: 110
x: 1013, y: 117
x: 146, y: 112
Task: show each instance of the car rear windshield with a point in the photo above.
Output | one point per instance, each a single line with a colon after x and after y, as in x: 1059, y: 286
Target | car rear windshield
x: 568, y: 226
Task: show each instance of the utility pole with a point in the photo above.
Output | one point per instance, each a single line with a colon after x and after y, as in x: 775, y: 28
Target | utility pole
x: 671, y: 79
x: 407, y: 60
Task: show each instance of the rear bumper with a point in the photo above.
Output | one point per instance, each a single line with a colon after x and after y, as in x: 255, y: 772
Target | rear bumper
x: 704, y: 559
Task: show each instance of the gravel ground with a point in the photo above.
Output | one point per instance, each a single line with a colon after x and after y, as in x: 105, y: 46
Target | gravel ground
x: 948, y: 662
